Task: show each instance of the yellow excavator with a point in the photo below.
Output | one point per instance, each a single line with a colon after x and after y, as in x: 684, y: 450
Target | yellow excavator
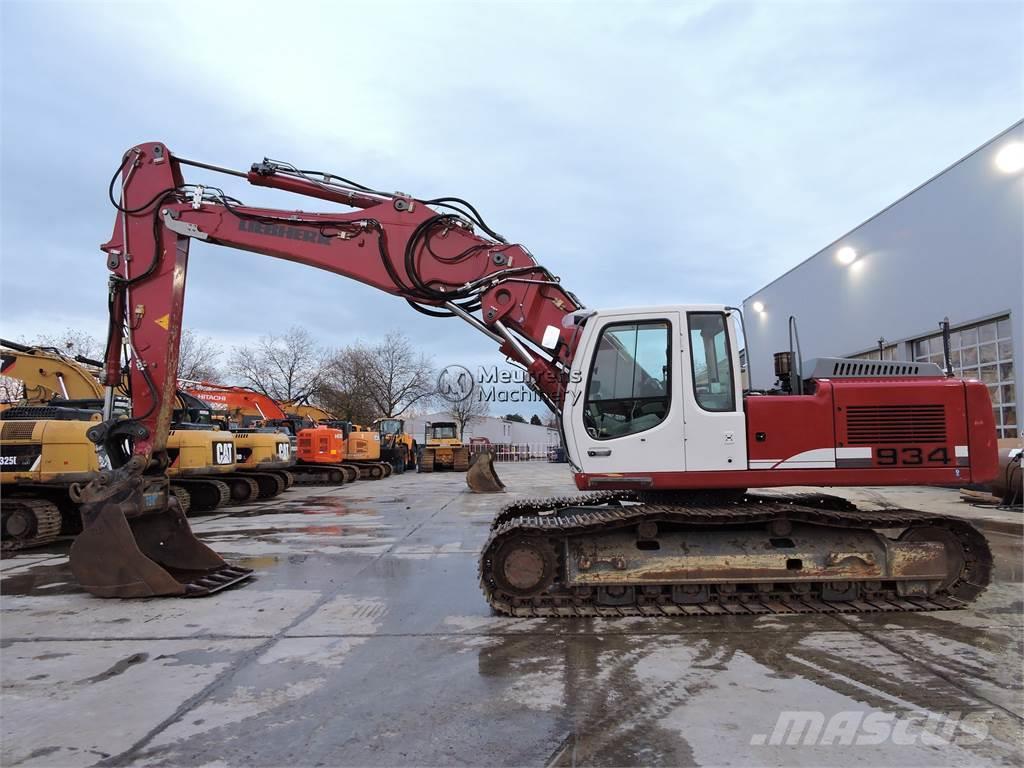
x: 45, y: 449
x: 362, y: 448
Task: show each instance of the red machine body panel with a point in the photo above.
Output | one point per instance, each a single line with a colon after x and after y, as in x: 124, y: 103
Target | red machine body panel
x: 771, y: 437
x: 851, y: 432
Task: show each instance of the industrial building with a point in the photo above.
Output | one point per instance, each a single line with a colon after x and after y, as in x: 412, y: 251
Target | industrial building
x: 951, y: 248
x: 496, y: 430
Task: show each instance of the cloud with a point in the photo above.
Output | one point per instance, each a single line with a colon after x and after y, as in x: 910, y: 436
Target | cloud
x: 647, y: 153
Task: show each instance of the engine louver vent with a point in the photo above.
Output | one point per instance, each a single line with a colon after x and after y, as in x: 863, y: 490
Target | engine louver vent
x: 17, y: 430
x: 904, y: 424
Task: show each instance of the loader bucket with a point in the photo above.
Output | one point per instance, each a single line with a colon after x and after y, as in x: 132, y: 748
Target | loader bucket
x: 136, y: 542
x: 481, y: 476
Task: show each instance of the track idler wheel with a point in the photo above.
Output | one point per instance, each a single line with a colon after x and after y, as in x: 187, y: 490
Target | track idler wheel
x: 243, y: 489
x: 482, y: 477
x: 269, y: 484
x: 968, y: 559
x: 125, y: 550
x: 524, y: 566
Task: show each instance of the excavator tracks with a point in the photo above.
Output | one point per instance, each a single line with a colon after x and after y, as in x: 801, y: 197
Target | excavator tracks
x: 243, y: 489
x: 206, y: 495
x: 284, y: 474
x: 184, y: 499
x: 371, y: 470
x: 268, y: 484
x: 331, y: 474
x: 29, y: 523
x: 541, y: 554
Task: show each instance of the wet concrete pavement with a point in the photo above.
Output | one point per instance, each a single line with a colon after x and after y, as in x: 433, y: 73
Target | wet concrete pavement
x: 364, y: 640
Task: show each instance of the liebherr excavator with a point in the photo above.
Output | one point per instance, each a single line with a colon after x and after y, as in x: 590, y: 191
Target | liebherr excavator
x: 652, y: 409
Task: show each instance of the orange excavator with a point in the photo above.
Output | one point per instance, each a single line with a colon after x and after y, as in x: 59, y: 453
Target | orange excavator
x: 653, y: 410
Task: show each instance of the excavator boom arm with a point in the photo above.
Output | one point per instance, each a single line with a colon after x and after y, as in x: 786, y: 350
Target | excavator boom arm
x: 395, y: 243
x: 47, y: 374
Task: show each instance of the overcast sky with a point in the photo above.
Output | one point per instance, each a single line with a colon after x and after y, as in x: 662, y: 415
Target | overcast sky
x: 660, y: 153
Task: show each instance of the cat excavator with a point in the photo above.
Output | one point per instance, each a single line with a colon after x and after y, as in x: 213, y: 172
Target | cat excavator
x: 44, y: 438
x: 653, y: 411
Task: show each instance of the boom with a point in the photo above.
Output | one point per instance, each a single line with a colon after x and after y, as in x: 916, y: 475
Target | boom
x: 437, y: 261
x: 47, y: 373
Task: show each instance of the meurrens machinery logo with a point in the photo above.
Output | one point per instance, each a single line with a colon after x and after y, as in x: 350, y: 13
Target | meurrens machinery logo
x: 493, y: 384
x: 859, y: 728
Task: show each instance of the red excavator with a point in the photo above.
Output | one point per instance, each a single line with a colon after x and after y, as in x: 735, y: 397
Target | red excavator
x: 652, y: 409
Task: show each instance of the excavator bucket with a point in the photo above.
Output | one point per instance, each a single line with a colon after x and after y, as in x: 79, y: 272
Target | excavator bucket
x: 136, y: 542
x: 481, y: 476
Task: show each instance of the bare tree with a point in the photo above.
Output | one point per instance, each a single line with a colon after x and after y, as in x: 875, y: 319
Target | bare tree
x: 197, y: 358
x: 392, y: 374
x: 464, y: 412
x: 347, y: 403
x: 72, y: 342
x: 286, y: 367
x: 11, y: 390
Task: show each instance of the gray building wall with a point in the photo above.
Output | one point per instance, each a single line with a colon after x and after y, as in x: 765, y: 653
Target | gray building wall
x: 953, y: 247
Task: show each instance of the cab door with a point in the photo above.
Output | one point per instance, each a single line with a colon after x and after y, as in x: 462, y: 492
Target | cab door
x: 625, y: 415
x: 712, y: 394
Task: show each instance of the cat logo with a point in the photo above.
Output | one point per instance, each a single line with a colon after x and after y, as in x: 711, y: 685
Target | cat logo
x: 283, y: 451
x: 223, y: 453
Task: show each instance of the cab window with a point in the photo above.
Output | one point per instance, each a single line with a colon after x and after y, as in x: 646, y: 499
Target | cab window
x: 711, y: 359
x: 628, y: 390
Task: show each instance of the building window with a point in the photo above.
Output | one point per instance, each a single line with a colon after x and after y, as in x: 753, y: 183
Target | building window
x: 983, y: 352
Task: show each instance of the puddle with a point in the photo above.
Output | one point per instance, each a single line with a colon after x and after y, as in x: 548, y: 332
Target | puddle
x: 313, y: 505
x: 41, y: 580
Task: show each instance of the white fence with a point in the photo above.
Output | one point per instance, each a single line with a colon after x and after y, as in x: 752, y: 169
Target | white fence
x: 516, y: 451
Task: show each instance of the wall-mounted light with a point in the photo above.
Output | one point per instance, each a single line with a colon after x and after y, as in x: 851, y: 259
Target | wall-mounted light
x: 758, y: 306
x: 846, y: 255
x: 1010, y: 158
